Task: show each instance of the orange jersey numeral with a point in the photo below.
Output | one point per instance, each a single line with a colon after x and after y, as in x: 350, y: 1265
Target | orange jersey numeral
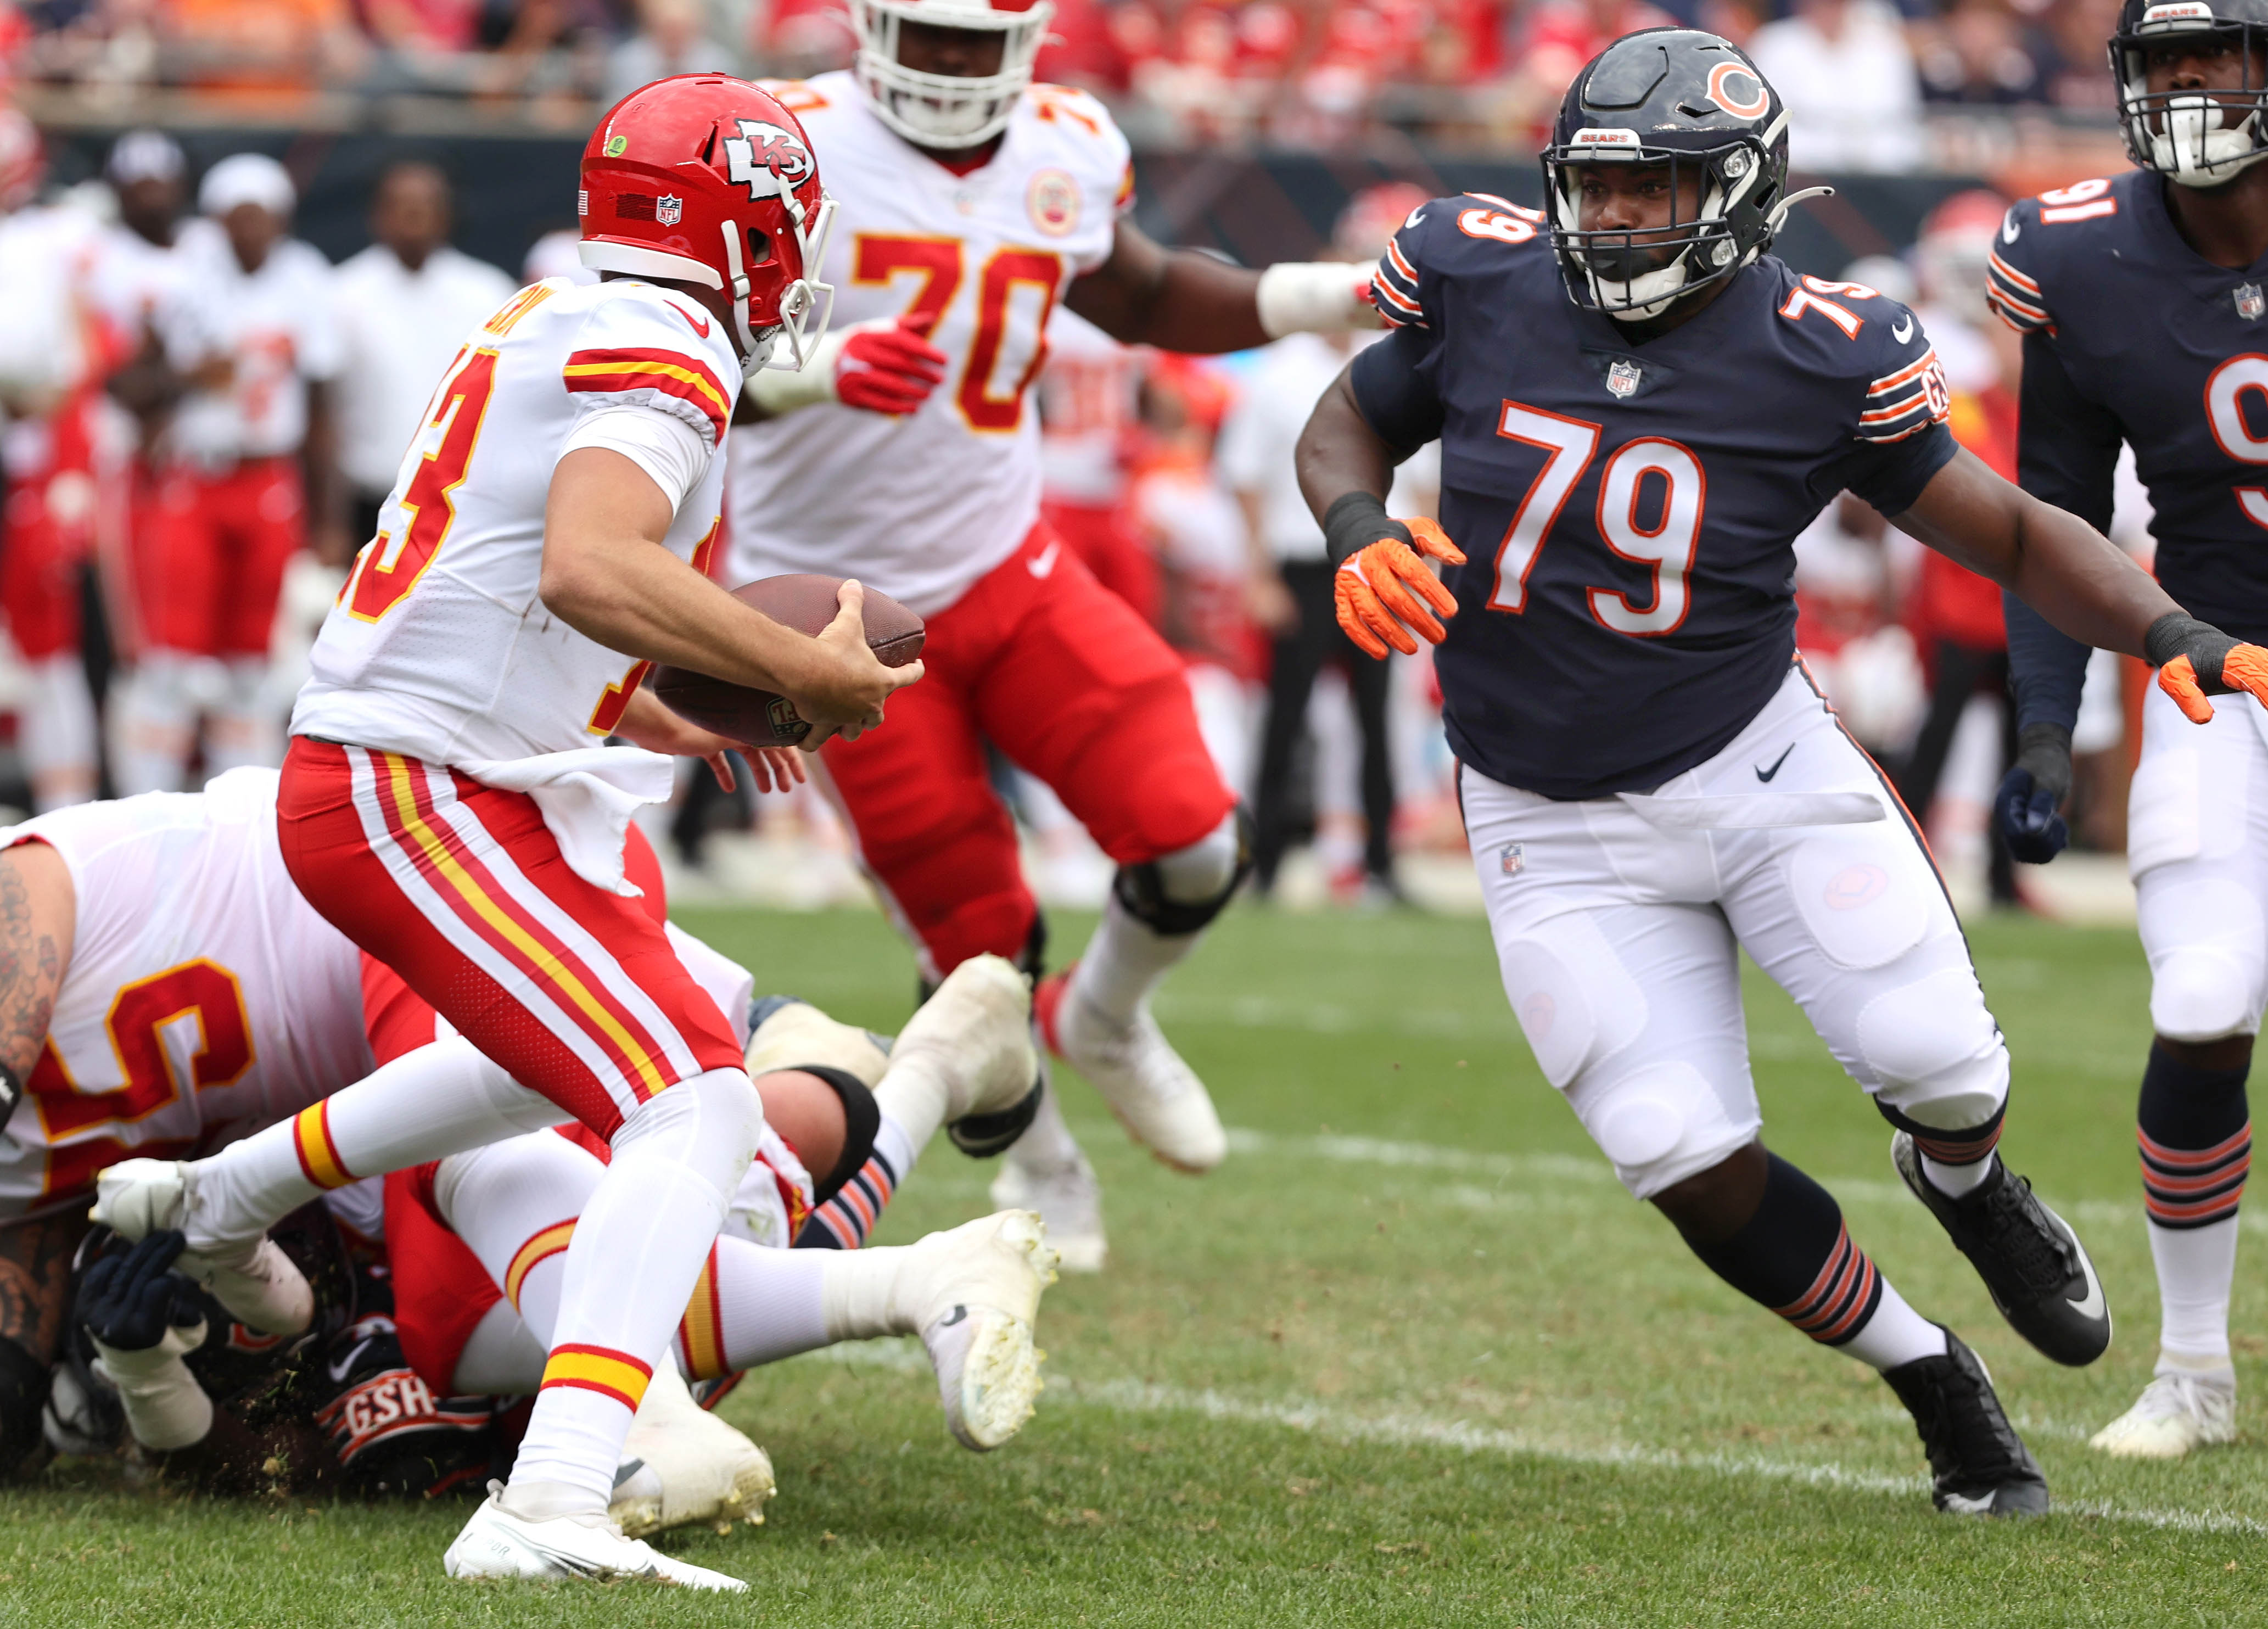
x: 387, y: 570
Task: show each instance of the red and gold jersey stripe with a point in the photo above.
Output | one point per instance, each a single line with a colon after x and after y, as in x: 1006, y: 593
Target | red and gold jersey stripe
x: 671, y: 372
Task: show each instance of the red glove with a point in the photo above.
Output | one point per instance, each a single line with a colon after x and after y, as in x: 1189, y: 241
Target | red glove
x: 888, y: 370
x: 1379, y: 588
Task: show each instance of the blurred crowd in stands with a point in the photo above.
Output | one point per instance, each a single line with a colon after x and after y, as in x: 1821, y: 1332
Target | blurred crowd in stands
x: 1860, y: 76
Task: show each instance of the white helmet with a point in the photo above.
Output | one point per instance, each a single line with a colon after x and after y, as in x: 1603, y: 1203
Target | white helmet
x: 940, y: 110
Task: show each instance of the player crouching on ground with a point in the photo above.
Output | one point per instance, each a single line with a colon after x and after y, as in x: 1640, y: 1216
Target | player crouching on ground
x: 1639, y: 408
x: 423, y: 1361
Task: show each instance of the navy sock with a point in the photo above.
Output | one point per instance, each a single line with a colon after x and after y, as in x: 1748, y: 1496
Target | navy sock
x: 1796, y: 1256
x: 2195, y: 1129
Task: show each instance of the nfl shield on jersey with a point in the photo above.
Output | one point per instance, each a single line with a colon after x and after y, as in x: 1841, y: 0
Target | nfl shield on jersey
x: 2133, y: 336
x: 439, y: 646
x: 922, y: 506
x: 1628, y: 507
x: 204, y: 999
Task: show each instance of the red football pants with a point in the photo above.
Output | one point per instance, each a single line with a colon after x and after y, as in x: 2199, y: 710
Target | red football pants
x: 209, y: 555
x: 462, y: 890
x: 40, y: 568
x: 1100, y: 536
x: 1059, y: 673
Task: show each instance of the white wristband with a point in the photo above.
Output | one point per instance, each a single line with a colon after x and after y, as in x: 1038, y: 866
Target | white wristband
x: 165, y: 1408
x: 778, y: 392
x: 1313, y: 296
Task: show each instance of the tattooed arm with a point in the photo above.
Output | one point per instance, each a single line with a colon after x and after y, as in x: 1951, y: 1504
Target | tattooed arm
x: 38, y: 912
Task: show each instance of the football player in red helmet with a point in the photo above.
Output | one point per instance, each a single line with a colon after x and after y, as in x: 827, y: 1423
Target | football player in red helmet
x: 442, y: 806
x: 976, y: 201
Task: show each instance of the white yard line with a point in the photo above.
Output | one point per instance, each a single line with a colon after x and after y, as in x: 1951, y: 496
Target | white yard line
x: 1409, y: 1428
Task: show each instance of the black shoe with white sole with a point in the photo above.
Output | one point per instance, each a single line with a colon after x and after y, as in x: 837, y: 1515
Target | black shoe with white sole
x: 2027, y: 1256
x: 1979, y: 1465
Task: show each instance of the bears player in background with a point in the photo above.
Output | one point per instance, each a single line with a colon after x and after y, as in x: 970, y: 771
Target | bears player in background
x: 1639, y: 408
x: 2141, y: 303
x: 972, y: 203
x: 447, y: 803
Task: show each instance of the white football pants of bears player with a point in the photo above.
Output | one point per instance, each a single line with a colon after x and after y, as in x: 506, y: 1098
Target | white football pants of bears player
x: 2196, y: 845
x: 1618, y: 923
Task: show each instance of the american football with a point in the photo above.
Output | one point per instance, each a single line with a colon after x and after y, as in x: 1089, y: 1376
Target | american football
x: 805, y: 601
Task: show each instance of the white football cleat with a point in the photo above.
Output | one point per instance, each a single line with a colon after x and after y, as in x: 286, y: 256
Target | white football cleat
x: 974, y: 1292
x: 975, y: 1031
x: 794, y: 1034
x: 2177, y: 1411
x: 681, y: 1464
x: 1157, y: 1096
x: 496, y: 1543
x: 254, y: 1281
x: 1069, y: 1201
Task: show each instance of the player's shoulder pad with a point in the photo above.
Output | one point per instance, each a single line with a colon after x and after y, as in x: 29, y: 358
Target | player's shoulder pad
x: 653, y: 347
x: 1462, y: 234
x: 2040, y: 237
x: 1079, y: 129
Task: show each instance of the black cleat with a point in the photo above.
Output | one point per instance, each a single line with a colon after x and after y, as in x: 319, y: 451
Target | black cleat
x: 2027, y: 1256
x: 1979, y: 1466
x: 981, y: 1136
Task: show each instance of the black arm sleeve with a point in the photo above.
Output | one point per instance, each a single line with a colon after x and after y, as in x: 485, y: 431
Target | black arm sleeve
x: 2066, y: 445
x: 2068, y: 456
x: 1394, y: 384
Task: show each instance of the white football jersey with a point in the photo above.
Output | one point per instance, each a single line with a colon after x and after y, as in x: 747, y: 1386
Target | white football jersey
x: 204, y: 999
x: 922, y: 506
x: 439, y: 647
x: 273, y: 327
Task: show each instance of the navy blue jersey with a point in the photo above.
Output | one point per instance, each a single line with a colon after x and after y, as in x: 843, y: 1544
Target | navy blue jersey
x: 2131, y: 335
x: 1628, y: 510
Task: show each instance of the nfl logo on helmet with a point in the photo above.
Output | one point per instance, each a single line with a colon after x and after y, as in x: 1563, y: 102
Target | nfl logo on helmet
x: 669, y: 210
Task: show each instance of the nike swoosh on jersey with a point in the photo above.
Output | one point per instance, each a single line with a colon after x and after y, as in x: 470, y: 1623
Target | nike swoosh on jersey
x: 2011, y: 229
x: 699, y: 325
x: 1416, y: 218
x: 1903, y: 331
x: 1766, y: 775
x: 1046, y: 563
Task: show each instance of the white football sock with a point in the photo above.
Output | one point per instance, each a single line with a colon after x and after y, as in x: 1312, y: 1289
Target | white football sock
x: 515, y: 1203
x: 636, y: 1252
x: 153, y: 725
x: 244, y: 728
x: 1896, y: 1334
x: 1955, y: 1181
x: 1123, y: 964
x: 2196, y: 1268
x: 910, y: 1095
x: 1047, y: 1148
x: 425, y: 1105
x: 772, y: 1304
x: 55, y: 733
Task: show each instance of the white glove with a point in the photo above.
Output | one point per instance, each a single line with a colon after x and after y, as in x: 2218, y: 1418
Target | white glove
x: 1316, y: 296
x: 165, y: 1408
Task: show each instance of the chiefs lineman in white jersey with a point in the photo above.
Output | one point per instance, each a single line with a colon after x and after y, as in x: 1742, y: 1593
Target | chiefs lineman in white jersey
x: 972, y: 202
x: 447, y: 801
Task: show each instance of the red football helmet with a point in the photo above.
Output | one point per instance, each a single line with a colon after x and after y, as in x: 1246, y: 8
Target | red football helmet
x: 706, y: 178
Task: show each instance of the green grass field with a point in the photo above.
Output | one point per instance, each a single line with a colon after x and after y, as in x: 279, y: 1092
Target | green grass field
x: 1410, y: 1357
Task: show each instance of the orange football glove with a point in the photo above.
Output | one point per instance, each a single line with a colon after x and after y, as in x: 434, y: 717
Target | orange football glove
x: 1385, y: 585
x: 2196, y: 661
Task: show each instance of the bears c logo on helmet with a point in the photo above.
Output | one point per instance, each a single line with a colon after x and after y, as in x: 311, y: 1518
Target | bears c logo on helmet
x: 770, y: 158
x: 1734, y: 87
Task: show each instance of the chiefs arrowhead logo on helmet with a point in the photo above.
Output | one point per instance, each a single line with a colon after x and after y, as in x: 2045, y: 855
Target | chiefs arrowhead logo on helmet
x: 763, y: 151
